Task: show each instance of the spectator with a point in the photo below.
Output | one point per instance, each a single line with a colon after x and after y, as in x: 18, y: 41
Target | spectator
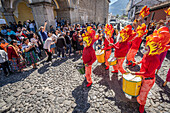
x: 60, y: 45
x: 52, y: 29
x: 32, y: 26
x: 3, y: 44
x: 68, y: 42
x: 30, y: 54
x: 14, y: 55
x: 74, y: 41
x: 79, y: 43
x: 4, y: 32
x: 4, y: 62
x: 47, y: 46
x: 38, y: 45
x: 43, y: 32
x: 11, y: 34
x: 14, y: 28
x: 19, y: 24
x: 53, y: 45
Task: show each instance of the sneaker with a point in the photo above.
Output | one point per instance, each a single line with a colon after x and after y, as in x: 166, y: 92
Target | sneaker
x: 107, y: 68
x: 54, y: 54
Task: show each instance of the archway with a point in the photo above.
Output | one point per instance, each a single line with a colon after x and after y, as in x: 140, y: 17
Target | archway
x: 23, y: 12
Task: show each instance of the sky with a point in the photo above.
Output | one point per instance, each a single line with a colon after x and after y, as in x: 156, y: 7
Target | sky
x: 112, y: 1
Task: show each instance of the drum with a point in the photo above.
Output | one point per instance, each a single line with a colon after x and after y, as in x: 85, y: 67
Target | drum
x: 112, y: 61
x: 131, y: 84
x: 100, y: 54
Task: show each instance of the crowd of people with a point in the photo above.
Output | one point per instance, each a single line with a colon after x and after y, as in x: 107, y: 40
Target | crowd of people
x: 21, y: 45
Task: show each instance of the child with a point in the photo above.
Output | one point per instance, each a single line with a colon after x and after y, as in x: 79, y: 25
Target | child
x: 136, y: 44
x: 122, y: 48
x: 107, y: 43
x: 156, y: 44
x: 88, y: 56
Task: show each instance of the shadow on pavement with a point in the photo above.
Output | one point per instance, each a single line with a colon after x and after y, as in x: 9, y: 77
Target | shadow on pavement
x: 168, y: 55
x: 15, y: 77
x: 115, y: 84
x: 81, y: 98
x: 166, y: 89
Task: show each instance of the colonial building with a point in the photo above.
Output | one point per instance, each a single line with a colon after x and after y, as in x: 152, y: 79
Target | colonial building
x: 74, y: 11
x: 157, y: 8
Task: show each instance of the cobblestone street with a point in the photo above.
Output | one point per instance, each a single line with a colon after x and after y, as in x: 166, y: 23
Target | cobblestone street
x: 58, y: 87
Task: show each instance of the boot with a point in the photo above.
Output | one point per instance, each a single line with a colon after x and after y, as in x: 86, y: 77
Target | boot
x: 116, y: 71
x: 89, y: 84
x: 141, y: 108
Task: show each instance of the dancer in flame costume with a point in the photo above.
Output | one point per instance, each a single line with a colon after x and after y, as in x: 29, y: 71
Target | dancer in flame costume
x: 141, y: 31
x: 89, y: 56
x: 155, y: 44
x: 122, y: 47
x: 107, y: 43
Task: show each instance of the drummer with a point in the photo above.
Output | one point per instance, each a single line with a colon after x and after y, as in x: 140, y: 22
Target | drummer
x: 141, y: 31
x: 150, y: 62
x: 108, y: 40
x: 122, y: 48
x: 89, y: 56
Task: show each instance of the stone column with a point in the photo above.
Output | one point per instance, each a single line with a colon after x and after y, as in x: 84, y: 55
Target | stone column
x: 43, y: 11
x: 9, y: 17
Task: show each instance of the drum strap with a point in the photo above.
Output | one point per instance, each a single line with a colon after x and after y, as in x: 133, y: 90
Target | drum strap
x: 149, y: 78
x: 120, y: 57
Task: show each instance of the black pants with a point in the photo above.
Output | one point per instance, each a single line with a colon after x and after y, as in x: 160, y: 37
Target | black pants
x: 5, y: 67
x: 49, y: 55
x: 74, y: 44
x: 60, y: 50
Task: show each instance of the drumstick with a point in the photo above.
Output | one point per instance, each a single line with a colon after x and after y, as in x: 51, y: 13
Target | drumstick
x: 130, y: 72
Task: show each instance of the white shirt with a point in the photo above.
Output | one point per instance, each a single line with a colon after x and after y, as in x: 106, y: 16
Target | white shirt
x: 47, y: 43
x: 3, y: 56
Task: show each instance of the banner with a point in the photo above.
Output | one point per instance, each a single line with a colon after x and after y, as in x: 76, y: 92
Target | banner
x: 2, y: 21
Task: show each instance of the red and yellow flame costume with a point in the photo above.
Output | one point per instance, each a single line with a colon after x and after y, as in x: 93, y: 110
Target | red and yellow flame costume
x: 89, y: 56
x: 109, y: 32
x: 144, y: 11
x: 122, y: 47
x: 157, y: 43
x: 141, y: 31
x: 167, y: 11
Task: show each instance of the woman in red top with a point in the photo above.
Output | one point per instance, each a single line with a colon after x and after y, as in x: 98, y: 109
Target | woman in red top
x: 136, y: 44
x: 88, y: 56
x: 122, y: 48
x: 15, y: 57
x: 156, y: 44
x: 107, y: 43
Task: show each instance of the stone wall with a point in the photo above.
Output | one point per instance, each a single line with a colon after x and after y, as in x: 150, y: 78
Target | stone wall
x: 74, y: 11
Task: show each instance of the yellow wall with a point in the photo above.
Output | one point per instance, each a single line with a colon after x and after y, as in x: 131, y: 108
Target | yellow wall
x: 24, y: 13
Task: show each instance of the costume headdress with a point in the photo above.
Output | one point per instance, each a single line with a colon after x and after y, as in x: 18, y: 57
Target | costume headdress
x: 141, y: 30
x: 109, y: 30
x: 144, y: 11
x: 158, y: 41
x: 89, y: 35
x: 167, y: 11
x: 127, y: 34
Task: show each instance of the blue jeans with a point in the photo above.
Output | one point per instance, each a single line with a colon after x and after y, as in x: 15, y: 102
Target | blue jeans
x: 32, y: 29
x: 69, y: 48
